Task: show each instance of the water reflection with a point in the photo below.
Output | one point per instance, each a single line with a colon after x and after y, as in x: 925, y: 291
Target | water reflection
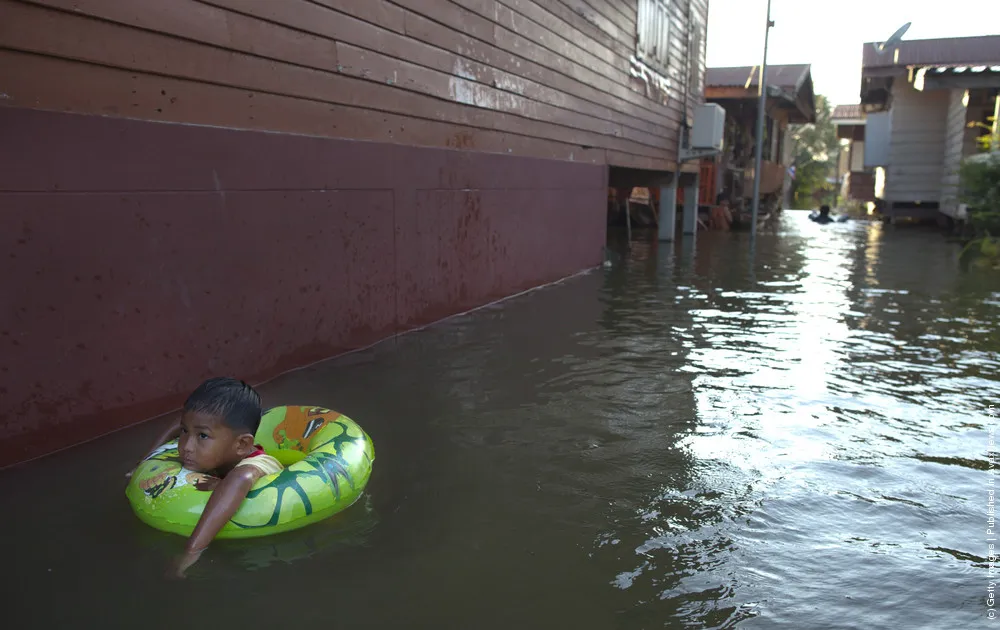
x: 820, y: 388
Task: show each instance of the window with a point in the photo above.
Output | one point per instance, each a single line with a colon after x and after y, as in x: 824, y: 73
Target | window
x: 653, y: 33
x: 858, y: 156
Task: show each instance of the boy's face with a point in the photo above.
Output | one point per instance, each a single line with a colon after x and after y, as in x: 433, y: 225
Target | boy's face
x: 207, y: 444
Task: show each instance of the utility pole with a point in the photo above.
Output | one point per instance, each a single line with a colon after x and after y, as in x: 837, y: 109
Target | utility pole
x: 761, y: 107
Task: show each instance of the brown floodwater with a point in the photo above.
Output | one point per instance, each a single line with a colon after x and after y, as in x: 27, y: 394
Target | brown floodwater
x: 688, y: 437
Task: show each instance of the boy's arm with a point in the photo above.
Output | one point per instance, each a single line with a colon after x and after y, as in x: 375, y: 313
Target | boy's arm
x: 225, y: 500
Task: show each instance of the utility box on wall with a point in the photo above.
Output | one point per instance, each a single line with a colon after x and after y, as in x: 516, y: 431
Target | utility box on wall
x: 709, y: 127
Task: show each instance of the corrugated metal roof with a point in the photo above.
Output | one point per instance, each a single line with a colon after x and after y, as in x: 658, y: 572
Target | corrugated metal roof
x: 847, y: 112
x: 788, y: 76
x: 983, y: 50
x: 955, y: 69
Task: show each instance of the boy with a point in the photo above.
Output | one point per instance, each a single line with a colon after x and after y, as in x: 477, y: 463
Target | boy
x: 216, y: 432
x: 824, y: 215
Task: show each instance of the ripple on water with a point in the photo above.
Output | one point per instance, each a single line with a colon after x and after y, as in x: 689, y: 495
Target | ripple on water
x: 680, y: 439
x: 835, y: 433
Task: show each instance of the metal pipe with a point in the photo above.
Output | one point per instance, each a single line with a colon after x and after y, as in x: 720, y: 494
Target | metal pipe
x: 688, y: 220
x: 686, y: 93
x: 761, y: 106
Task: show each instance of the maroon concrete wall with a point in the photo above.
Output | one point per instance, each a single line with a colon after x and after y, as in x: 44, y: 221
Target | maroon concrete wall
x: 141, y: 258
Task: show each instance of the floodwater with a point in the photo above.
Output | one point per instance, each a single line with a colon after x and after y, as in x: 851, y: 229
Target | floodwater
x: 681, y: 439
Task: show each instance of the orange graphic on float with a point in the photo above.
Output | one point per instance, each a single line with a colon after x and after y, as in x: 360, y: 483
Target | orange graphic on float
x: 296, y: 431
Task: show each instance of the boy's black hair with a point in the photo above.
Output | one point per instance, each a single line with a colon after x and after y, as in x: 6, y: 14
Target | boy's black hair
x: 234, y: 401
x: 824, y: 209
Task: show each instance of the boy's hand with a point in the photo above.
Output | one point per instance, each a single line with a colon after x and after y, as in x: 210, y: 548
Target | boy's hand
x: 207, y: 483
x: 181, y: 563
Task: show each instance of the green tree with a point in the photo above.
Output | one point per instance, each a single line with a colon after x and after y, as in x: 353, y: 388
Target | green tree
x: 980, y: 181
x: 816, y: 151
x: 979, y: 178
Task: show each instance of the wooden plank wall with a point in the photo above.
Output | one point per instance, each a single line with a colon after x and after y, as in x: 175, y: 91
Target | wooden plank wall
x: 916, y: 153
x: 541, y: 78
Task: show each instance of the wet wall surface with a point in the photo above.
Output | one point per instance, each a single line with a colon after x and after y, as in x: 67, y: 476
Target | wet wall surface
x: 141, y: 258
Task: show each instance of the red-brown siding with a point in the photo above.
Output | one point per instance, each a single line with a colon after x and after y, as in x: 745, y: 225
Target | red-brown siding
x: 556, y: 72
x: 862, y: 186
x: 142, y: 257
x: 202, y: 187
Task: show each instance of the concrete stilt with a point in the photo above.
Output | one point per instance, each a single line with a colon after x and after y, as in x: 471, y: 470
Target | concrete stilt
x: 691, y: 209
x: 667, y: 219
x: 628, y: 221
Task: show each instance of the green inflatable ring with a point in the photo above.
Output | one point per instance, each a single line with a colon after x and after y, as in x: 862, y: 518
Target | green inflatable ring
x: 327, y: 457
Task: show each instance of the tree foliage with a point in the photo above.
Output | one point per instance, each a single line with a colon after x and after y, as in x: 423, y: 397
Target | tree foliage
x: 815, y: 158
x: 980, y: 183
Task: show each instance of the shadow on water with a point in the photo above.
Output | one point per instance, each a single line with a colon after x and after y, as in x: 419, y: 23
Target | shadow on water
x: 689, y: 437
